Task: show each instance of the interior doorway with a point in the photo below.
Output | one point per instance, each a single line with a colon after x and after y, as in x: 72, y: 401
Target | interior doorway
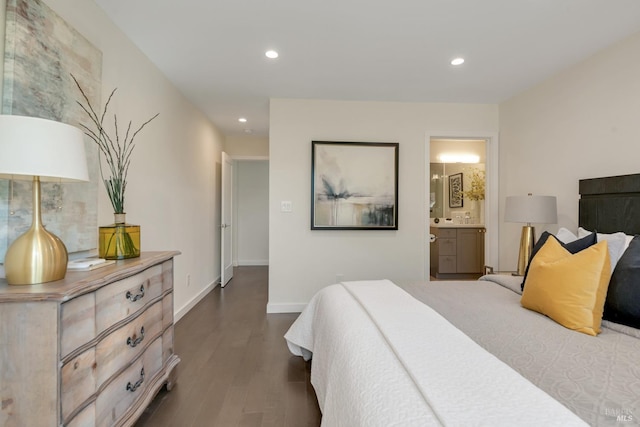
x: 461, y: 197
x: 457, y: 162
x: 251, y: 212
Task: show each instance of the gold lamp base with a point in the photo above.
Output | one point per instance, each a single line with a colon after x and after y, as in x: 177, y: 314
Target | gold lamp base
x: 37, y: 256
x: 527, y: 239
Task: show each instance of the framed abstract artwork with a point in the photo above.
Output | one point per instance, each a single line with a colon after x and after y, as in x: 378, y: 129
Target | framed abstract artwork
x: 455, y: 191
x: 354, y: 185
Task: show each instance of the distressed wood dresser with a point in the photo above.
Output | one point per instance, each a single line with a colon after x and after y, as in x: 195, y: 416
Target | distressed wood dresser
x: 92, y: 349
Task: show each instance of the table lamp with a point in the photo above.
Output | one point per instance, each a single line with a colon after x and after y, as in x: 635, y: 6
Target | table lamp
x: 39, y: 150
x: 529, y: 209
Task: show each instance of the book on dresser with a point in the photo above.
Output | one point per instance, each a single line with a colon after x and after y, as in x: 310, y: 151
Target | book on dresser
x: 87, y: 264
x: 92, y: 349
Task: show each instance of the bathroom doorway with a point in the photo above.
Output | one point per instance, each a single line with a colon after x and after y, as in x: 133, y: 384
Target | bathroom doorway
x: 461, y: 203
x: 458, y: 178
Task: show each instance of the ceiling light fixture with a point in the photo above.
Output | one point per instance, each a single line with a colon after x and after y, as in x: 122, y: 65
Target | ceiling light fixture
x: 271, y: 54
x: 459, y: 158
x: 457, y: 61
x: 242, y: 120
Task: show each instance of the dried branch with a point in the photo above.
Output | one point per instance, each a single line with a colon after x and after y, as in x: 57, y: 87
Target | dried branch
x: 117, y: 153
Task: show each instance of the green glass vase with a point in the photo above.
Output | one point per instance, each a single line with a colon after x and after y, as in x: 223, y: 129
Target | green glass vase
x: 119, y: 240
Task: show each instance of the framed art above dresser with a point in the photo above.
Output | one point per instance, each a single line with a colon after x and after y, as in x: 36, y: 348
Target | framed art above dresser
x: 92, y: 349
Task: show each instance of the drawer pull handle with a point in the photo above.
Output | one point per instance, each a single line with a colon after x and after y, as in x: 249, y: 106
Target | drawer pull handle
x: 134, y: 387
x: 136, y: 297
x: 132, y: 342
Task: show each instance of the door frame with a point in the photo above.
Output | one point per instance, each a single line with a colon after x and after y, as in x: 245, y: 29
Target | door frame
x: 491, y: 206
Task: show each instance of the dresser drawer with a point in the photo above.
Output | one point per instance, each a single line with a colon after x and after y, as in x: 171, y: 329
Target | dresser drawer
x: 167, y: 310
x: 117, y: 349
x: 78, y: 381
x: 122, y: 392
x: 86, y: 418
x: 167, y: 275
x: 167, y: 344
x: 126, y: 297
x: 78, y: 323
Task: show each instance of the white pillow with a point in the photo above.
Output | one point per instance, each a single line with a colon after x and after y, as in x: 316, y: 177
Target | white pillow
x: 617, y: 242
x: 565, y: 236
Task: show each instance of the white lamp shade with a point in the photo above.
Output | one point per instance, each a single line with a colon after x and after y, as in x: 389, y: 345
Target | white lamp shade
x: 31, y: 146
x: 531, y: 209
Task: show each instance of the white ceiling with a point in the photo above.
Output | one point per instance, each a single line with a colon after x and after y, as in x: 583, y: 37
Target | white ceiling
x: 382, y: 50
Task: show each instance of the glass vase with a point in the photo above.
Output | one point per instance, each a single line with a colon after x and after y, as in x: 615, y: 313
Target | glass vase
x: 119, y: 240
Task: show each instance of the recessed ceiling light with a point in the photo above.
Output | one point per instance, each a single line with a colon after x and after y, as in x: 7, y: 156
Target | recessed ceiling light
x: 272, y: 54
x: 242, y: 120
x: 457, y: 61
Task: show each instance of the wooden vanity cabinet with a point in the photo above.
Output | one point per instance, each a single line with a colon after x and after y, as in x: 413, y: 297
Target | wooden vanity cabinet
x: 457, y: 253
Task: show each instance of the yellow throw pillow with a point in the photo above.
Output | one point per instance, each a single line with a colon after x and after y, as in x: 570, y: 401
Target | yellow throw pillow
x: 569, y: 288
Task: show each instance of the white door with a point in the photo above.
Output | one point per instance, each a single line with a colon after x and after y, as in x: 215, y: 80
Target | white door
x: 226, y: 226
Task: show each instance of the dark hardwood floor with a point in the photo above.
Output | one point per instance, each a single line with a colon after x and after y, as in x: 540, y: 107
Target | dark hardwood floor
x: 236, y: 369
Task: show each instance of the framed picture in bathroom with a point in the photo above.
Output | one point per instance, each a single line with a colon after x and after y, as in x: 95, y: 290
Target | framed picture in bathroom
x: 455, y: 191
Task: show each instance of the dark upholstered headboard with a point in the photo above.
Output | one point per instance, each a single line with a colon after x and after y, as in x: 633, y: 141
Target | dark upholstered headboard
x: 610, y: 204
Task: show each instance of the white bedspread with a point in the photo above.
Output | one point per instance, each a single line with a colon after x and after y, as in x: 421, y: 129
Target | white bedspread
x: 383, y: 358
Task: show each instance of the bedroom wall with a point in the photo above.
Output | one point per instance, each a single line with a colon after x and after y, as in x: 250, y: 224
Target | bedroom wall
x: 581, y: 123
x: 173, y: 189
x: 302, y: 261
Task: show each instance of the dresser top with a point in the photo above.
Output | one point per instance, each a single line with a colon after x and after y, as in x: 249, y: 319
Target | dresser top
x: 80, y: 282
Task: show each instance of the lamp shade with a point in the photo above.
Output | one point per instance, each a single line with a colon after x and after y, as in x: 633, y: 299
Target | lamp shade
x: 31, y: 146
x: 531, y: 209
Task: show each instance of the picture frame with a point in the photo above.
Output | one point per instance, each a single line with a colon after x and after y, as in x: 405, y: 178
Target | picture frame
x: 456, y: 199
x: 354, y: 185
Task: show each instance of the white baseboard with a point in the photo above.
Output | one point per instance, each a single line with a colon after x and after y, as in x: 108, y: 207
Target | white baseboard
x: 247, y: 262
x: 285, y: 308
x: 195, y: 300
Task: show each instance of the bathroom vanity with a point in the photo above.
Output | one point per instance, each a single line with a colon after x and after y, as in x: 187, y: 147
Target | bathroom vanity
x: 457, y: 251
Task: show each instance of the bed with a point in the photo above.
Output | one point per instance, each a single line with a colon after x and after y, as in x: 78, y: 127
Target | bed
x: 469, y: 353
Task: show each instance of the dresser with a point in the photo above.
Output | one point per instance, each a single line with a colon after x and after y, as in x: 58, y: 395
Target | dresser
x: 92, y: 349
x: 457, y: 252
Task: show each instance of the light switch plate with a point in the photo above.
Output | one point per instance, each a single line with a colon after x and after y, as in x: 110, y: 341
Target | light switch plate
x: 286, y: 206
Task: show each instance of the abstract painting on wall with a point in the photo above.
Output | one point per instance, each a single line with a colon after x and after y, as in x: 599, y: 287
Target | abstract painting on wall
x: 354, y: 186
x: 41, y: 53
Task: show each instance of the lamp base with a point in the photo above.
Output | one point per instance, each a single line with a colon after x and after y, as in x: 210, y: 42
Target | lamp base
x: 37, y: 256
x: 527, y: 238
